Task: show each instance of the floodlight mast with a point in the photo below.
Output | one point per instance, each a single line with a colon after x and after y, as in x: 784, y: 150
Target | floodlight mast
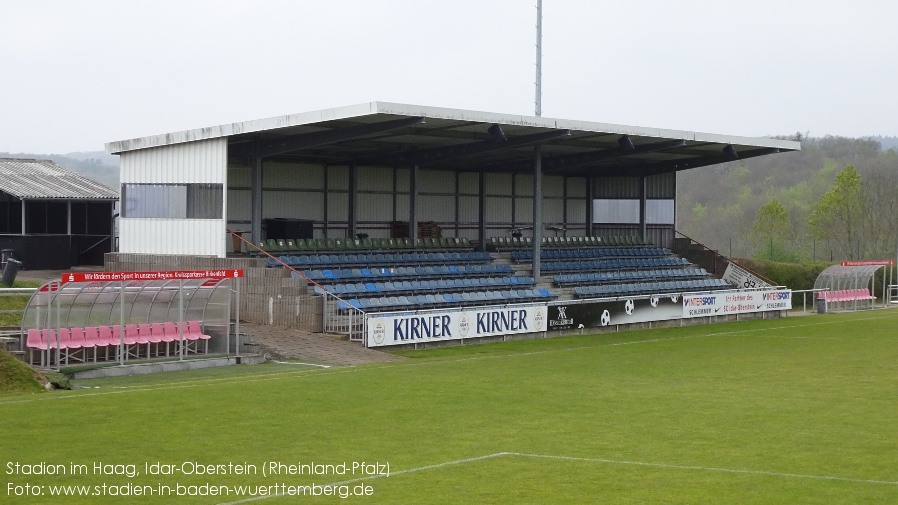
x: 539, y: 58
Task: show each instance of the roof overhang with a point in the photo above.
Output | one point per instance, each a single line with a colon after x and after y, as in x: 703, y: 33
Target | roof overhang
x: 390, y: 134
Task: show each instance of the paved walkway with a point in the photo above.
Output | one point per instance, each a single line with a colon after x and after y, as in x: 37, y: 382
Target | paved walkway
x: 282, y: 343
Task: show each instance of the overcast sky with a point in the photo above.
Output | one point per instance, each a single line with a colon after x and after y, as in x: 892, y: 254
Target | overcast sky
x: 77, y: 74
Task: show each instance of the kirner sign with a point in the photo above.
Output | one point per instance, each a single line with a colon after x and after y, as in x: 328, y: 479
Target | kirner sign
x: 438, y: 326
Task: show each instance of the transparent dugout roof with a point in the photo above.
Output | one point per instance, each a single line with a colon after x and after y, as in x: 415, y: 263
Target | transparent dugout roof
x: 82, y: 304
x: 840, y: 277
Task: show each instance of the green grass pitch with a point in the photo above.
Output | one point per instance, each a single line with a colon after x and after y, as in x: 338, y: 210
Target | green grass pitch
x: 800, y: 410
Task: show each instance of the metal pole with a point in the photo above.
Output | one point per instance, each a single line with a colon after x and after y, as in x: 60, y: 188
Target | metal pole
x: 181, y: 318
x: 539, y: 59
x: 58, y: 348
x: 537, y: 209
x: 237, y: 323
x: 228, y: 328
x: 121, y: 324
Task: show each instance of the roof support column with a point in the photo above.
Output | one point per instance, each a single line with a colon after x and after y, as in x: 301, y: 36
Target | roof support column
x: 24, y: 207
x: 642, y: 207
x: 537, y: 209
x: 413, y: 205
x: 589, y: 210
x: 481, y: 211
x: 256, y: 201
x: 68, y: 209
x: 353, y: 201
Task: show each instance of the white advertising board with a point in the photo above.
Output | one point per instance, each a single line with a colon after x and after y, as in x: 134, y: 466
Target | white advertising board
x: 742, y: 278
x: 726, y: 303
x: 391, y: 329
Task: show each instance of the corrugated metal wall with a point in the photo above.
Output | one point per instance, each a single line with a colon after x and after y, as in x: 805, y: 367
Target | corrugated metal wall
x: 450, y: 199
x: 194, y: 162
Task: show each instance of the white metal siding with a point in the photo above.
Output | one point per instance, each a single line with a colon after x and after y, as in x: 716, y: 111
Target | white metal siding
x: 553, y: 185
x: 338, y: 207
x: 375, y: 179
x: 553, y: 210
x: 523, y: 185
x: 498, y: 210
x: 195, y: 162
x: 403, y: 179
x: 293, y: 204
x: 436, y: 208
x: 659, y: 211
x: 576, y: 187
x: 173, y: 236
x: 576, y: 211
x: 468, y: 209
x: 377, y: 207
x: 523, y: 209
x: 436, y: 181
x: 338, y: 178
x: 239, y: 205
x: 292, y: 176
x: 498, y: 184
x: 402, y: 206
x: 615, y: 211
x: 469, y: 183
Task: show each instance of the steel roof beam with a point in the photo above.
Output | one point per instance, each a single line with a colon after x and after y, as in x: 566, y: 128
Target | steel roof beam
x: 559, y: 163
x: 683, y: 164
x: 293, y: 143
x: 411, y: 157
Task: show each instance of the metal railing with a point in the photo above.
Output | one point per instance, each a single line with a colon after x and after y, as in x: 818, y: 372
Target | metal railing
x: 337, y: 315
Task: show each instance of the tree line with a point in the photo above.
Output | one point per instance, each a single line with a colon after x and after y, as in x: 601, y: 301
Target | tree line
x: 836, y: 199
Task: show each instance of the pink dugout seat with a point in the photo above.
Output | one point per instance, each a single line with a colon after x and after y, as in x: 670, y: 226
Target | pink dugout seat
x: 35, y: 341
x: 92, y: 338
x: 196, y: 332
x: 171, y: 331
x: 71, y: 344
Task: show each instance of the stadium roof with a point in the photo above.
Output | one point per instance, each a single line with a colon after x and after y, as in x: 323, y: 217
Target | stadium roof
x: 390, y: 134
x: 28, y: 179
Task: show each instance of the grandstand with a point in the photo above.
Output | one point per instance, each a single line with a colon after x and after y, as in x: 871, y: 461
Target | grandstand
x: 344, y: 218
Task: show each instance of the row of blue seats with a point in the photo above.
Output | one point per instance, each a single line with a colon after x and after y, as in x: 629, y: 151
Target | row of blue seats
x: 401, y: 272
x: 604, y: 252
x: 618, y: 264
x: 650, y: 288
x: 390, y: 258
x: 466, y: 284
x: 414, y: 302
x: 629, y: 275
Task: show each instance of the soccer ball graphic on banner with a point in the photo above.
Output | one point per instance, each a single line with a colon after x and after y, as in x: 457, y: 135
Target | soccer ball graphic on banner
x: 628, y: 307
x: 654, y: 301
x: 606, y: 318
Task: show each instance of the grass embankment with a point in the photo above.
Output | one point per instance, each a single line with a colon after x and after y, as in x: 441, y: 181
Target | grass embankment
x: 18, y: 378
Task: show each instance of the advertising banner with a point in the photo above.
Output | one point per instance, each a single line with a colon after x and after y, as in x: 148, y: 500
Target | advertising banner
x: 726, y: 303
x: 563, y: 316
x: 162, y: 275
x: 438, y: 326
x: 742, y: 278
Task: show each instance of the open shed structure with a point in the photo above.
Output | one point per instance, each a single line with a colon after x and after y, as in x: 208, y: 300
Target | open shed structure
x: 384, y: 169
x: 53, y: 218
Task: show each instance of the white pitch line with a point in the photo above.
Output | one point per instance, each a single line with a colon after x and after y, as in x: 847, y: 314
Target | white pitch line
x: 706, y: 468
x: 371, y: 477
x: 586, y: 460
x: 300, y: 363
